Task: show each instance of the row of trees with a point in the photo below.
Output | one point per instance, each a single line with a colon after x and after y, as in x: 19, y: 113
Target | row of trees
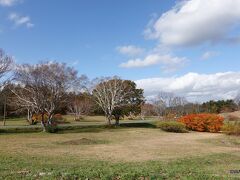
x: 52, y: 87
x: 49, y: 87
x: 169, y: 105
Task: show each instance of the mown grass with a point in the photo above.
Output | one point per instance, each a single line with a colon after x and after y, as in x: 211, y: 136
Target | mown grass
x: 77, y: 128
x: 14, y: 121
x: 22, y: 121
x: 207, y: 167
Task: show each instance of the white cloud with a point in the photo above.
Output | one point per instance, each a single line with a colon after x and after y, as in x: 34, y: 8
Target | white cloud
x: 194, y: 86
x: 8, y: 2
x: 130, y: 50
x: 19, y: 20
x: 194, y: 22
x: 168, y: 62
x: 209, y: 54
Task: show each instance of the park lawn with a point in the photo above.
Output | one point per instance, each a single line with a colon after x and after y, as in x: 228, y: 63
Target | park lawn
x: 21, y: 121
x: 15, y: 122
x: 68, y: 118
x: 122, y: 153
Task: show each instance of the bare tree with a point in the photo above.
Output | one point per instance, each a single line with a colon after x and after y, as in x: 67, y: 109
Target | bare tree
x: 22, y: 101
x: 237, y: 100
x: 5, y: 66
x: 178, y: 105
x: 163, y: 101
x: 192, y: 108
x: 110, y: 93
x: 147, y: 109
x: 81, y: 104
x: 159, y: 106
x: 166, y: 103
x: 46, y: 85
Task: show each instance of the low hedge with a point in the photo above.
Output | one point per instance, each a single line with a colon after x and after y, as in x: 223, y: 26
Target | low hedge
x: 172, y: 126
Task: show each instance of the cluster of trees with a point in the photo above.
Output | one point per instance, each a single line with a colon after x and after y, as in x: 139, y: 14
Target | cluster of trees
x: 219, y: 106
x: 169, y: 105
x: 48, y: 88
x: 51, y: 87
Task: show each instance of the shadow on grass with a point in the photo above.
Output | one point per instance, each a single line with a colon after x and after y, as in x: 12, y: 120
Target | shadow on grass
x: 138, y: 125
x: 26, y: 129
x: 75, y: 129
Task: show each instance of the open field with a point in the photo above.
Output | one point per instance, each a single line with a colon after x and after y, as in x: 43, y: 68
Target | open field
x: 90, y: 150
x: 122, y: 153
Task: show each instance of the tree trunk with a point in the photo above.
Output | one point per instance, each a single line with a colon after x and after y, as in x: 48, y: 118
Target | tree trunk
x: 50, y: 116
x: 43, y: 123
x: 29, y: 117
x: 75, y: 116
x: 4, y: 113
x: 109, y: 118
x: 117, y: 122
x: 117, y: 118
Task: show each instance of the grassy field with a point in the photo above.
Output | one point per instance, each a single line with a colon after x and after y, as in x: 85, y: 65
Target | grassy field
x: 122, y: 153
x: 68, y: 118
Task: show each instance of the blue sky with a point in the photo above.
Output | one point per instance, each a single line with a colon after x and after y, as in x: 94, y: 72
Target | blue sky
x: 137, y: 40
x: 85, y: 31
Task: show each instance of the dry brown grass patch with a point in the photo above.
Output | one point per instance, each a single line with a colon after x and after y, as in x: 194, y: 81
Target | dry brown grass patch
x: 130, y: 144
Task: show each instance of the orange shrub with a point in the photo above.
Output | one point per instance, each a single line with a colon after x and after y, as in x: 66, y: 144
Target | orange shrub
x: 203, y: 122
x: 58, y: 117
x: 38, y: 117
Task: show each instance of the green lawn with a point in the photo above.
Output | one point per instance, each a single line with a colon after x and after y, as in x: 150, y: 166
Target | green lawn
x: 69, y: 119
x: 207, y: 167
x: 123, y: 153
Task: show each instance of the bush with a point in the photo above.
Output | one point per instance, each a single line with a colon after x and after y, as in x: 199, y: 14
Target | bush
x: 51, y: 128
x: 172, y: 126
x: 232, y: 128
x: 203, y: 122
x: 58, y: 118
x: 36, y: 118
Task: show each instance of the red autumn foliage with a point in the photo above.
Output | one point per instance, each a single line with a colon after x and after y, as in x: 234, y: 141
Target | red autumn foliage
x: 38, y: 117
x: 203, y: 122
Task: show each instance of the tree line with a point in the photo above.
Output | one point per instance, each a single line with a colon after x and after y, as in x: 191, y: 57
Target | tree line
x: 48, y: 88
